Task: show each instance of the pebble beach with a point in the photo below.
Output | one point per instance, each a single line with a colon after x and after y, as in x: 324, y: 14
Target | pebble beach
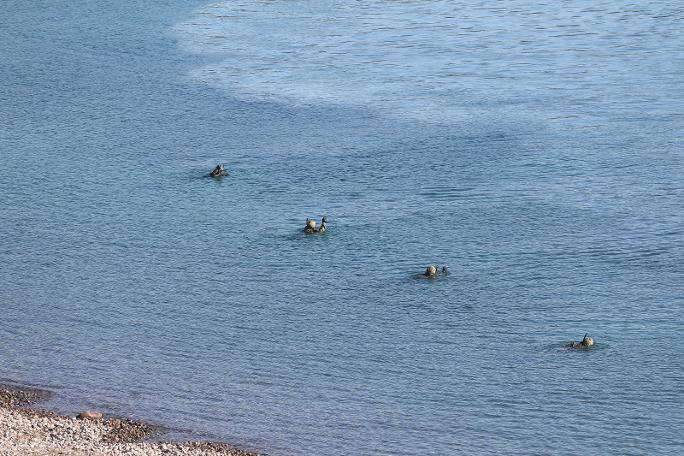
x: 32, y: 432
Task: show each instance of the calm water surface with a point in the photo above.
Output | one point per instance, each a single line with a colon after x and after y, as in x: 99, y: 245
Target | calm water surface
x: 535, y: 147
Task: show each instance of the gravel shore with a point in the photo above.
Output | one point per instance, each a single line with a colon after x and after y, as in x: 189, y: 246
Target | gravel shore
x: 30, y: 432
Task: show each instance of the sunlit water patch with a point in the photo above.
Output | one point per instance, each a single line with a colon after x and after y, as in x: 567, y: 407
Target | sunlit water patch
x: 442, y: 61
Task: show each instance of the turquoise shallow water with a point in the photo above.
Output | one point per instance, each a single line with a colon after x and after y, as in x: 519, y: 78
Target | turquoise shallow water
x: 536, y: 148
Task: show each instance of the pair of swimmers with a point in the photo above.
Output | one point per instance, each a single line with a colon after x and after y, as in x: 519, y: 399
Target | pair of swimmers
x: 431, y: 271
x: 311, y: 227
x: 586, y: 342
x: 218, y: 171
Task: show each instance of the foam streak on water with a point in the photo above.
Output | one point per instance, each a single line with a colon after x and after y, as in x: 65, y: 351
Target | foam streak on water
x: 442, y: 61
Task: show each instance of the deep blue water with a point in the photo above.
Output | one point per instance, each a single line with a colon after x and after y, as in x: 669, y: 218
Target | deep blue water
x: 535, y: 147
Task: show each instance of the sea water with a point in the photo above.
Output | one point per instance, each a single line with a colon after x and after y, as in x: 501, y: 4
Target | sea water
x: 534, y: 147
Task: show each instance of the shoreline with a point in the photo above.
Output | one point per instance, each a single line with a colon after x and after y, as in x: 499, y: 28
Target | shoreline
x: 27, y: 430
